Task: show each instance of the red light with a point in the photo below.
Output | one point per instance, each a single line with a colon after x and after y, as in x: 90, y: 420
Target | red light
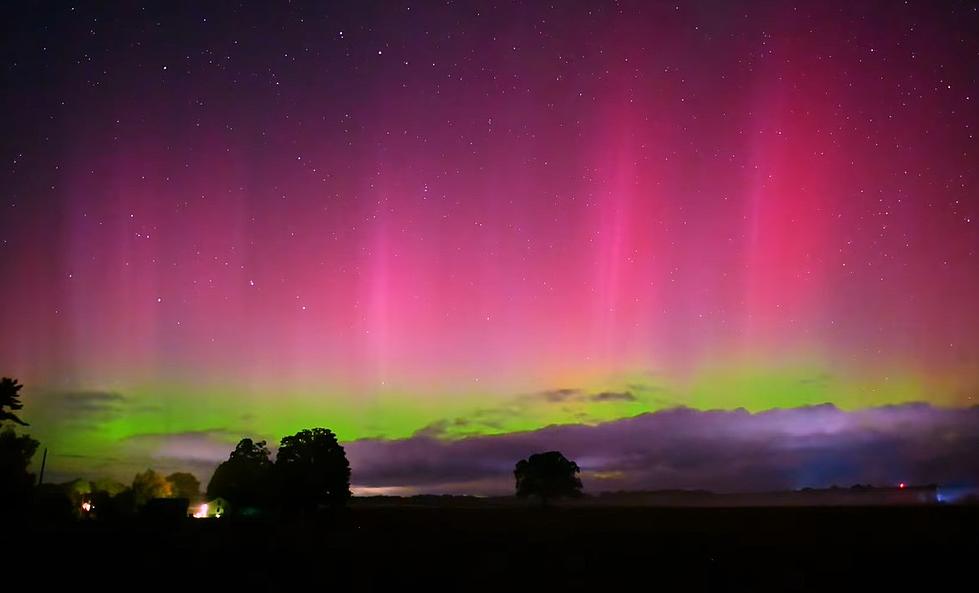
x: 902, y: 485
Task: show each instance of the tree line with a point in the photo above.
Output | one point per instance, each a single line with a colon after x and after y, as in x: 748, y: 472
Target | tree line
x: 310, y: 472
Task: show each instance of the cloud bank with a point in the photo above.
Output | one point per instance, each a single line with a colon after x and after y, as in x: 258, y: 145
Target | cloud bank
x: 727, y: 451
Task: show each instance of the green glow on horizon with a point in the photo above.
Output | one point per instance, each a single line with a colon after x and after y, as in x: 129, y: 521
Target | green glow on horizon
x: 228, y: 414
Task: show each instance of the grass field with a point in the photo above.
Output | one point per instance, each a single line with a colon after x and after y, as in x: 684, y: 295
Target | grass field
x: 526, y: 549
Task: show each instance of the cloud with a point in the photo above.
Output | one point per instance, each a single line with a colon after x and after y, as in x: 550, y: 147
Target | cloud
x: 570, y: 395
x: 92, y: 400
x: 569, y: 403
x: 211, y: 446
x: 820, y: 379
x: 194, y: 451
x: 556, y: 395
x: 197, y: 451
x: 577, y: 396
x: 720, y: 450
x: 81, y: 409
x: 683, y: 448
x: 613, y: 396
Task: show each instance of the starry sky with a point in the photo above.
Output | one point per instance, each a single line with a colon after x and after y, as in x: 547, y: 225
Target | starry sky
x: 468, y: 221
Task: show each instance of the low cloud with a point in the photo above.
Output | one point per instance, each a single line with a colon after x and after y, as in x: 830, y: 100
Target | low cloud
x: 556, y: 395
x: 613, y: 396
x: 571, y: 395
x: 720, y: 450
x: 198, y: 452
x: 80, y: 409
x: 730, y: 451
x: 211, y: 446
x: 573, y: 403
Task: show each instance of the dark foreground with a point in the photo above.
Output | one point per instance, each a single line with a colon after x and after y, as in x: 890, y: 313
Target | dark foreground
x: 517, y: 549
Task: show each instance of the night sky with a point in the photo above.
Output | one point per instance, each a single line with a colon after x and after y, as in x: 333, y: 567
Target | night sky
x: 438, y: 228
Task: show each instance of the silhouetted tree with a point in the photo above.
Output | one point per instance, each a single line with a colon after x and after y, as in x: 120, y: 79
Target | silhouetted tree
x: 245, y: 478
x: 149, y: 485
x: 10, y: 400
x: 184, y: 485
x: 312, y: 469
x: 16, y: 482
x: 77, y: 490
x: 120, y: 505
x: 53, y: 504
x: 108, y: 485
x: 110, y: 499
x: 16, y: 451
x: 547, y: 475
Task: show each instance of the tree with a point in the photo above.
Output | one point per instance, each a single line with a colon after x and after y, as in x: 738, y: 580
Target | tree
x: 245, y: 478
x: 547, y: 475
x: 149, y: 485
x: 108, y: 485
x: 312, y: 469
x: 16, y: 451
x: 10, y: 398
x: 77, y: 490
x: 184, y: 485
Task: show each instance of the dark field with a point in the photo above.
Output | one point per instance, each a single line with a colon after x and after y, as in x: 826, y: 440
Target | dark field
x: 518, y: 549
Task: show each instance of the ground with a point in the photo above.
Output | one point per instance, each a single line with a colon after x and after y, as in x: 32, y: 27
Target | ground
x: 519, y: 549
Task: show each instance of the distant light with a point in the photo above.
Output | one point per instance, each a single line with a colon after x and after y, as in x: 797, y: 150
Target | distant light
x: 86, y: 506
x: 902, y: 485
x: 201, y: 512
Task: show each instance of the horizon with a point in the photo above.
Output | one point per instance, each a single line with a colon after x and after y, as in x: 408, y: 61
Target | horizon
x: 855, y: 439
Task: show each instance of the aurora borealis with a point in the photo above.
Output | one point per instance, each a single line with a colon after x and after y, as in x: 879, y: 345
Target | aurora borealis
x: 455, y: 220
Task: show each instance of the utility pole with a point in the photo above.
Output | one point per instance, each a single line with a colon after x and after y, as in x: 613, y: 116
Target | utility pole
x: 44, y: 461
